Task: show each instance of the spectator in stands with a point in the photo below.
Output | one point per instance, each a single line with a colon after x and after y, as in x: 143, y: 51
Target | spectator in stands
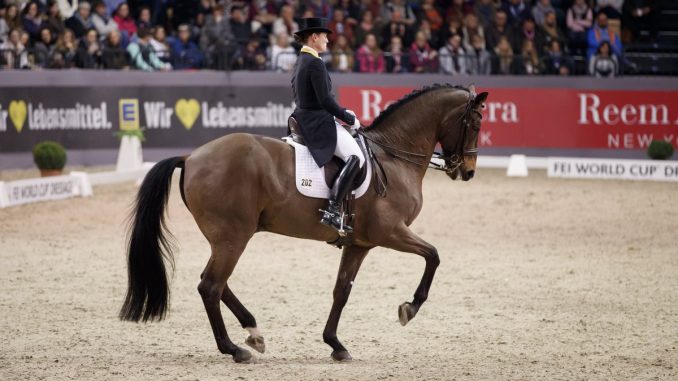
x: 396, y: 60
x: 340, y: 27
x: 160, y: 45
x: 282, y: 55
x: 528, y: 31
x: 499, y: 29
x: 550, y: 32
x: 32, y: 20
x: 66, y: 47
x: 67, y: 8
x: 485, y: 10
x: 503, y: 61
x: 365, y: 27
x: 144, y: 18
x: 44, y: 47
x: 185, y: 53
x: 114, y: 56
x: 14, y: 53
x: 471, y: 28
x: 579, y: 19
x: 253, y: 56
x: 12, y: 17
x: 423, y: 59
x: 555, y: 62
x: 529, y: 63
x: 369, y: 56
x: 430, y: 13
x: 611, y: 8
x: 599, y: 33
x: 478, y: 62
x: 540, y: 9
x: 216, y: 40
x: 396, y: 27
x: 342, y: 55
x: 453, y: 57
x: 400, y: 7
x: 25, y: 40
x: 142, y: 55
x: 88, y: 55
x: 240, y: 26
x: 102, y: 22
x: 517, y: 11
x: 604, y: 64
x: 53, y: 19
x: 81, y: 21
x: 431, y: 37
x: 126, y: 24
x: 285, y: 23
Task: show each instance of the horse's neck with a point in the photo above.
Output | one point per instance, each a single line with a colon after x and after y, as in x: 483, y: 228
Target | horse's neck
x: 412, y: 127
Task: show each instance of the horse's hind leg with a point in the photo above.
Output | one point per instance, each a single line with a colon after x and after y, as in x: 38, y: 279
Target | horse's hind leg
x: 351, y: 259
x: 224, y: 257
x: 246, y: 319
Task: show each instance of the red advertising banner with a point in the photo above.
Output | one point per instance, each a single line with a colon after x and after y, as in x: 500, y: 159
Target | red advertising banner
x: 553, y: 118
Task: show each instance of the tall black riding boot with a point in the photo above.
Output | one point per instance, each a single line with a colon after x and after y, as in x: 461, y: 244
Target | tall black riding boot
x: 342, y: 185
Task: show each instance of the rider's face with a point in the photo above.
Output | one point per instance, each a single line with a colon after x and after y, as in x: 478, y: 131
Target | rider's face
x: 319, y: 41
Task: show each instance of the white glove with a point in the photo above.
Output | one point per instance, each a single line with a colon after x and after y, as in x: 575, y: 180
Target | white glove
x: 356, y: 122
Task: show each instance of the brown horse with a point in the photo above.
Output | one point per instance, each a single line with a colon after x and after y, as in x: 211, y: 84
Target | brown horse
x: 240, y: 184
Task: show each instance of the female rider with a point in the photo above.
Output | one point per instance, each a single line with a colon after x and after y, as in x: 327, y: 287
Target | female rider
x: 316, y: 111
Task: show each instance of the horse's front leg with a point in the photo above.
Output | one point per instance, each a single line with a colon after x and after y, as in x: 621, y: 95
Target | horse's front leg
x: 351, y: 259
x: 405, y: 240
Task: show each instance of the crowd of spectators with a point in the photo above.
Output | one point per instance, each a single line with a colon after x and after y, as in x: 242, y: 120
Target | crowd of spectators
x: 454, y: 37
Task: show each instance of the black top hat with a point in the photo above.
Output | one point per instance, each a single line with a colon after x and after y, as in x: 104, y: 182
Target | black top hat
x: 313, y: 25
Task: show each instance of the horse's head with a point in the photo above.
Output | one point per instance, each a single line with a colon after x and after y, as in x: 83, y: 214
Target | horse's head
x: 459, y: 139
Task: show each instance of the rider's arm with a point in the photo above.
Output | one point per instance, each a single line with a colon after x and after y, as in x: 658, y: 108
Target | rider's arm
x: 322, y: 91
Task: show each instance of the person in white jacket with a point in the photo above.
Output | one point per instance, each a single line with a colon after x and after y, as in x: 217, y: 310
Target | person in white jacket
x: 102, y: 22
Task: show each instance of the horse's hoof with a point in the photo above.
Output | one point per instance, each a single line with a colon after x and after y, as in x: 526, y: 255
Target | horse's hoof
x: 406, y: 313
x: 242, y: 356
x: 257, y: 343
x: 341, y: 356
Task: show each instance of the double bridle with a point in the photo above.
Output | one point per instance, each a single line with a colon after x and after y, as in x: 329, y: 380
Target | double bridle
x: 452, y: 161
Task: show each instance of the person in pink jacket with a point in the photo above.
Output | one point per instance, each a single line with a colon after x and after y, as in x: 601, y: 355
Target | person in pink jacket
x: 125, y: 22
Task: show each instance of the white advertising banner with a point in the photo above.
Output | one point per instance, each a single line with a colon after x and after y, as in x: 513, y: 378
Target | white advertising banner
x: 43, y: 189
x: 617, y: 169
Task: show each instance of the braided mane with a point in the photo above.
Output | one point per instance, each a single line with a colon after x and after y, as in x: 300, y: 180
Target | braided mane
x: 409, y: 97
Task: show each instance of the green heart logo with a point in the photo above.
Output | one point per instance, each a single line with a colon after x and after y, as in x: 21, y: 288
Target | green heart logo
x: 187, y: 111
x: 17, y: 113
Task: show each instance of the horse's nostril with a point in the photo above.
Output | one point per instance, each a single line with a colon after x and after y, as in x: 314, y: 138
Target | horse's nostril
x: 470, y: 174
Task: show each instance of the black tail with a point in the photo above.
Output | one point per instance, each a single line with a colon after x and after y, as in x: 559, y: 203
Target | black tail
x: 147, y: 289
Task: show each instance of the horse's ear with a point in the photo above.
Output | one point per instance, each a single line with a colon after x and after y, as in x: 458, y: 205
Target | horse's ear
x: 481, y: 98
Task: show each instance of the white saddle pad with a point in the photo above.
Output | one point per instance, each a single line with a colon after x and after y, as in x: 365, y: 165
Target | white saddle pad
x: 310, y: 179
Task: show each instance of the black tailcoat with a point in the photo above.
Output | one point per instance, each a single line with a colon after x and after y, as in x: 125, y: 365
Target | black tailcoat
x: 316, y: 107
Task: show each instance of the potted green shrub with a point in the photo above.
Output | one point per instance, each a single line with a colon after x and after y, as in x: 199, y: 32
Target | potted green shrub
x: 50, y: 157
x: 660, y: 150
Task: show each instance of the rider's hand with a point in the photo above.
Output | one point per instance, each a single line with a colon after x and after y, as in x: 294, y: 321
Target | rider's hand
x: 356, y: 122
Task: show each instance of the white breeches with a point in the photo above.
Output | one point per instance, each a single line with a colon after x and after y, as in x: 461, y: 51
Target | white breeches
x: 347, y: 146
